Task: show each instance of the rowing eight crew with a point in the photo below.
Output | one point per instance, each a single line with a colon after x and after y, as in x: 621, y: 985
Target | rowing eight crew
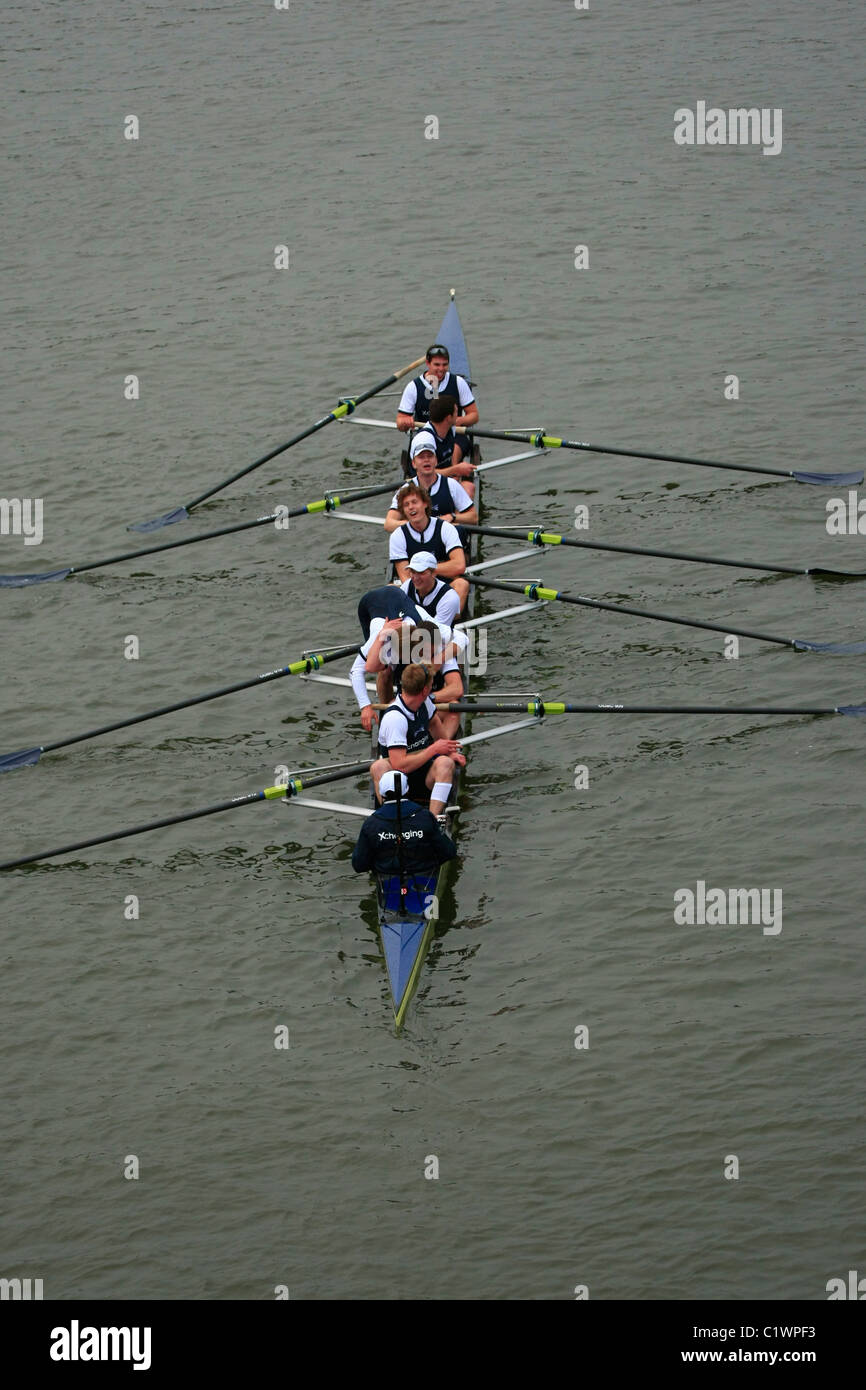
x: 418, y: 753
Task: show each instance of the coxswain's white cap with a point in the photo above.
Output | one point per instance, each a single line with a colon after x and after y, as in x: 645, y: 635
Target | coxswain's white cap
x: 422, y: 560
x: 421, y: 444
x: 388, y: 783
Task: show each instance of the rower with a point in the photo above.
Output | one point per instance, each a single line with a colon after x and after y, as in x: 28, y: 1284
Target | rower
x: 425, y: 591
x: 450, y: 448
x: 437, y: 379
x: 385, y: 602
x: 411, y: 741
x: 420, y: 531
x: 400, y: 837
x: 399, y: 644
x: 374, y: 627
x: 448, y: 497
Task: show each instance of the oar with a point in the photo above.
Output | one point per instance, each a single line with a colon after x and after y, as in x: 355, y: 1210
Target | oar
x: 536, y: 591
x: 542, y: 538
x: 294, y: 788
x: 539, y: 440
x: 345, y: 407
x: 328, y: 503
x: 544, y: 707
x: 27, y: 757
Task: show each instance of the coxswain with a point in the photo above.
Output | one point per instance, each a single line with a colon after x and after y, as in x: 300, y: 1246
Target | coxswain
x: 400, y: 837
x: 399, y: 644
x: 437, y: 379
x: 448, y: 496
x: 411, y: 741
x: 420, y: 531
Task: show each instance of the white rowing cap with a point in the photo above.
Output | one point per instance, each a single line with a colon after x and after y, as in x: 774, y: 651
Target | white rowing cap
x: 388, y: 783
x: 422, y: 560
x: 422, y: 444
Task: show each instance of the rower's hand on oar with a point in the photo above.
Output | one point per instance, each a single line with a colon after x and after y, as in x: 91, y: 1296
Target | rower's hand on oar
x: 369, y: 717
x: 463, y: 470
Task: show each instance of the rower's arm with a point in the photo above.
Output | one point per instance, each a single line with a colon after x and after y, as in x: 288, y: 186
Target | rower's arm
x: 451, y: 690
x: 436, y: 728
x: 405, y: 421
x: 453, y: 567
x: 358, y: 681
x: 402, y: 568
x: 469, y: 416
x: 374, y: 663
x: 470, y: 516
x: 451, y: 649
x: 459, y: 469
x: 393, y: 520
x: 401, y: 761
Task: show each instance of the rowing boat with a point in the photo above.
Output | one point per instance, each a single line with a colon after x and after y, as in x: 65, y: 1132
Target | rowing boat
x: 406, y: 922
x: 409, y: 908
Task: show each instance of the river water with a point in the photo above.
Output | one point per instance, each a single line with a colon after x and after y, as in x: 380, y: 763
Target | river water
x: 154, y: 1036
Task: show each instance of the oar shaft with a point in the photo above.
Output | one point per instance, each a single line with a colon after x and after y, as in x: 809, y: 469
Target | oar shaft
x: 536, y: 591
x: 545, y: 707
x: 173, y: 545
x: 542, y: 538
x: 296, y: 786
x: 265, y: 458
x: 304, y: 666
x: 133, y: 830
x: 550, y: 441
x: 344, y: 408
x: 324, y: 504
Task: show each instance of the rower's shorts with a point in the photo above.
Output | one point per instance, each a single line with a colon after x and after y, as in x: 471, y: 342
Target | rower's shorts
x: 418, y: 789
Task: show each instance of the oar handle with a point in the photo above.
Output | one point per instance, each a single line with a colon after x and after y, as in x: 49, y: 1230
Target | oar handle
x: 404, y: 371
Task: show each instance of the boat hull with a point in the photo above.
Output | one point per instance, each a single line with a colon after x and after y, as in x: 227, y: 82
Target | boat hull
x: 406, y: 934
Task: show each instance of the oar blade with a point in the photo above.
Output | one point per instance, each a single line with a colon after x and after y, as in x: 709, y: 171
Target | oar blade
x: 179, y: 514
x: 830, y: 479
x: 22, y: 581
x: 855, y: 711
x: 833, y: 648
x: 28, y: 757
x: 825, y: 571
